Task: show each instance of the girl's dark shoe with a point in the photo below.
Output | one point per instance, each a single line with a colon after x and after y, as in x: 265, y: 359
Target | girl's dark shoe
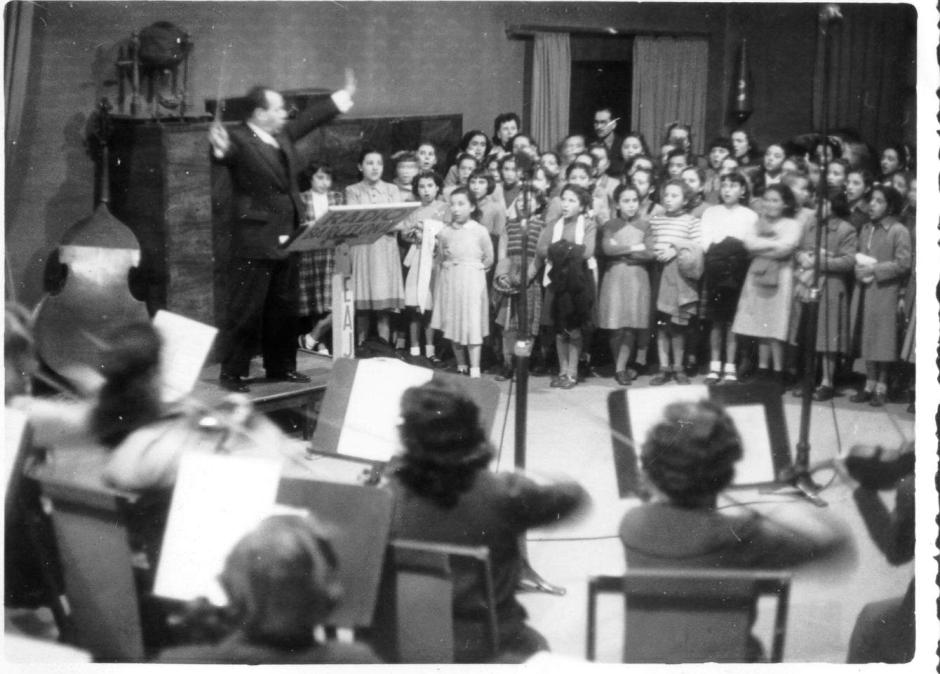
x: 505, y: 373
x: 823, y: 393
x: 661, y: 378
x: 877, y: 399
x: 861, y: 397
x: 567, y: 382
x: 623, y: 378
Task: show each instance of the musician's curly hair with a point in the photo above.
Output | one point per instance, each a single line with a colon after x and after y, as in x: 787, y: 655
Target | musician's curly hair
x: 444, y: 441
x: 691, y: 453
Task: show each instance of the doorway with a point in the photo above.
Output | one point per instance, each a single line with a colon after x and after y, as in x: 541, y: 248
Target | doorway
x: 601, y: 76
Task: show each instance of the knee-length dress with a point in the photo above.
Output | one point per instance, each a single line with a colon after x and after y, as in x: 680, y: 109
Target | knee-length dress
x: 764, y: 310
x: 461, y: 307
x: 840, y: 243
x: 376, y: 267
x: 875, y: 303
x: 624, y: 300
x: 421, y: 276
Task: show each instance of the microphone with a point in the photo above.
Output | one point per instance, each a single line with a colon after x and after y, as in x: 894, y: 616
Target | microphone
x: 525, y: 164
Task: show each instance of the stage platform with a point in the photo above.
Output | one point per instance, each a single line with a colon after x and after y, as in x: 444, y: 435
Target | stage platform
x: 270, y: 396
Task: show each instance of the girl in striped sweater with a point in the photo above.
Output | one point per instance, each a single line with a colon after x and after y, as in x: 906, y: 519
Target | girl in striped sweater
x: 677, y: 245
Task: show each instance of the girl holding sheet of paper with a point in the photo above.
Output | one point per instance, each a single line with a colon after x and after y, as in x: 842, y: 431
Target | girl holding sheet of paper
x: 882, y: 264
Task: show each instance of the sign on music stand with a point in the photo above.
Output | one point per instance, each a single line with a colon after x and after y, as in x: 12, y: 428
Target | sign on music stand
x: 339, y: 228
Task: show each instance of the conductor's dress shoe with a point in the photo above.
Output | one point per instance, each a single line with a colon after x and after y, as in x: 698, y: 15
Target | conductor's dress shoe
x: 292, y: 376
x: 234, y: 383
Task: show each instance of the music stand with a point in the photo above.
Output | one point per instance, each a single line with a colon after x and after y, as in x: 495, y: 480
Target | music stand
x: 757, y: 409
x: 339, y: 228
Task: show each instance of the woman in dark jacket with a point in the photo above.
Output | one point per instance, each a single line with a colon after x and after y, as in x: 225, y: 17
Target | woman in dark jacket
x: 444, y: 493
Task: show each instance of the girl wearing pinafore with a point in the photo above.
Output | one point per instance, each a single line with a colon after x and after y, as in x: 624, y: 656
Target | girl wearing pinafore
x: 461, y: 309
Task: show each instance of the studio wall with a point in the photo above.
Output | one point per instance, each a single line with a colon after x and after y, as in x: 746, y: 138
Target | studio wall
x: 410, y: 58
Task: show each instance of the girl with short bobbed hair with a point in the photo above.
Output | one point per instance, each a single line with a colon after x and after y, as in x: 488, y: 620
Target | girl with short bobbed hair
x: 444, y: 494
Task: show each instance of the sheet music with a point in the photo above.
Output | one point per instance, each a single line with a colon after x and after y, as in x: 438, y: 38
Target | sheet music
x: 216, y: 501
x: 646, y: 406
x: 186, y: 344
x: 370, y: 428
x: 756, y: 464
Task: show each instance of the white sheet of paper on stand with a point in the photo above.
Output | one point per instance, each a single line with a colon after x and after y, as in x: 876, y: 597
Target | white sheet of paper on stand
x: 372, y: 417
x: 216, y: 501
x: 186, y: 344
x: 756, y: 464
x: 646, y: 406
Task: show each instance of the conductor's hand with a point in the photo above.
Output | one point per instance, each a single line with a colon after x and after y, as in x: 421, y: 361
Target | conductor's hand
x: 350, y: 86
x: 218, y: 138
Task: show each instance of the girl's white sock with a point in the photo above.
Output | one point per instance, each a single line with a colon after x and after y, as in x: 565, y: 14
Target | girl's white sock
x: 475, y: 372
x: 415, y: 351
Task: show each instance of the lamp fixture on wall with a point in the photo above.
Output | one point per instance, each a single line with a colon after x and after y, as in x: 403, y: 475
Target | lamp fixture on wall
x: 741, y: 106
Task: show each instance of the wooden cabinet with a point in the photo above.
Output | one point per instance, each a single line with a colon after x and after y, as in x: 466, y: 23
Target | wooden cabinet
x: 161, y: 187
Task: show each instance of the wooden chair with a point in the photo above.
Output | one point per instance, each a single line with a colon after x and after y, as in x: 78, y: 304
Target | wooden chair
x: 90, y: 531
x: 690, y: 615
x: 416, y: 624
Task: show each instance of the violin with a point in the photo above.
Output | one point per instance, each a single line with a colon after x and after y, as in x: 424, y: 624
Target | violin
x: 89, y: 285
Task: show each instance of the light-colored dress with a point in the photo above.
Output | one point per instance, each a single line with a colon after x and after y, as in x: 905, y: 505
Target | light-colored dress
x: 376, y: 267
x: 625, y: 289
x: 461, y: 308
x: 764, y: 310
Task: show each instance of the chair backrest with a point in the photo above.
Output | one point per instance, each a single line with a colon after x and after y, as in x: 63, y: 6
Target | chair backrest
x: 419, y: 626
x: 690, y: 615
x: 92, y: 539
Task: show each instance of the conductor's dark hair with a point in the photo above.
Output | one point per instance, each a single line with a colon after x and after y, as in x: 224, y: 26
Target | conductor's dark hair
x: 444, y: 442
x: 130, y: 397
x: 280, y: 579
x: 893, y: 198
x: 481, y: 173
x: 257, y: 98
x: 423, y: 175
x: 690, y: 455
x: 789, y: 199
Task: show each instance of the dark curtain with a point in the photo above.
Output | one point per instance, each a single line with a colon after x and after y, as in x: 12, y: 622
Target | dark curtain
x: 872, y: 74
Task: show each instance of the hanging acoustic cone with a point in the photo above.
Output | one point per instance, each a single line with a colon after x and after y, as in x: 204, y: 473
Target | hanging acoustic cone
x: 741, y: 106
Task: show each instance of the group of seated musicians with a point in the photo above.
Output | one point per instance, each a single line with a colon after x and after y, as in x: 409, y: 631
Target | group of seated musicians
x: 280, y: 578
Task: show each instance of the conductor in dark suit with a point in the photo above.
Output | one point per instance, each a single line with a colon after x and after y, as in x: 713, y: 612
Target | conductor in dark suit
x: 264, y: 166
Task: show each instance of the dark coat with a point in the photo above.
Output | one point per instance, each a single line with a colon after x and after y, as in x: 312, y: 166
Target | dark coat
x: 266, y: 201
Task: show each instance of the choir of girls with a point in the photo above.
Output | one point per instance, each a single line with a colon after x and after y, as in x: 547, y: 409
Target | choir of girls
x: 708, y: 260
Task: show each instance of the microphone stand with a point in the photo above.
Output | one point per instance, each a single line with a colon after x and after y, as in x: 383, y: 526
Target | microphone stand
x: 798, y: 475
x: 529, y: 579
